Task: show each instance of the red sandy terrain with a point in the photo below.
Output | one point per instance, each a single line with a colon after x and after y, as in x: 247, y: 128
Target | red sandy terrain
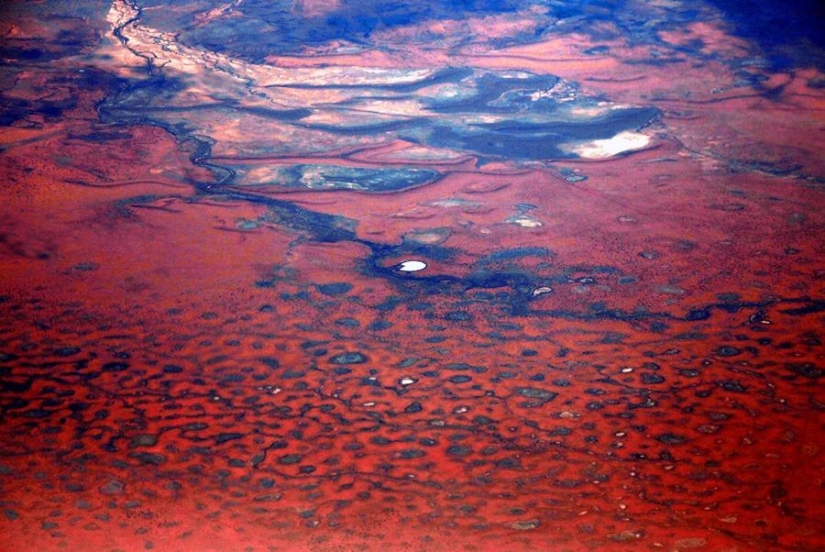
x: 187, y: 371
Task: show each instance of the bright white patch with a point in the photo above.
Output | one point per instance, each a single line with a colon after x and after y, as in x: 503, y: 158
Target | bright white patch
x: 602, y: 149
x: 412, y: 266
x: 524, y: 221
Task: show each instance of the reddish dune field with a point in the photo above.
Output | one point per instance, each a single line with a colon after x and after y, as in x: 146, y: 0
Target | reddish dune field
x: 485, y: 280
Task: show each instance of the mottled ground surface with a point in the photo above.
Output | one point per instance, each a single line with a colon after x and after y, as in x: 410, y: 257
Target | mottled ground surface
x: 208, y: 340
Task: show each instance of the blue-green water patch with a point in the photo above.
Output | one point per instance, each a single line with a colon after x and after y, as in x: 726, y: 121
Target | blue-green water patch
x: 336, y: 177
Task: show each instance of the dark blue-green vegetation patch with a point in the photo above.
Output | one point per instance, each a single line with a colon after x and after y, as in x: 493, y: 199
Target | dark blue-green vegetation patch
x: 335, y: 177
x: 336, y: 288
x: 506, y: 255
x: 790, y: 33
x: 267, y: 27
